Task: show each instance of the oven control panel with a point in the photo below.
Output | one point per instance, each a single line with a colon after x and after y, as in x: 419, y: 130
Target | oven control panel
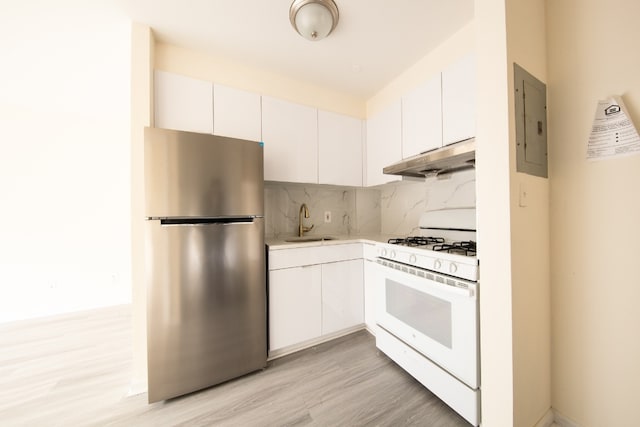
x: 459, y: 266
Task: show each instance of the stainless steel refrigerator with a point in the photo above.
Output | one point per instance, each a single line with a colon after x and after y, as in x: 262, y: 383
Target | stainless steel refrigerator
x: 205, y: 260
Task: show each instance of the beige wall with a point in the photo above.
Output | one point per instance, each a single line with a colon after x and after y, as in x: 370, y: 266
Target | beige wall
x: 435, y: 61
x: 530, y: 287
x: 142, y: 51
x: 513, y: 240
x: 493, y: 176
x: 220, y: 70
x: 595, y: 206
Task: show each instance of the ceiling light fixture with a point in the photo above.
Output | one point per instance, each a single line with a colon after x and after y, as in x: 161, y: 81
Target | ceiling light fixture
x: 313, y: 19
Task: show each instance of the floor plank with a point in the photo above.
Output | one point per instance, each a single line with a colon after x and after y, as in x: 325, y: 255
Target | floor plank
x: 73, y: 370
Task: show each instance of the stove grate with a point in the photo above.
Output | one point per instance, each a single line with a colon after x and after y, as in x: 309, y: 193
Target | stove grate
x: 467, y: 248
x: 416, y: 241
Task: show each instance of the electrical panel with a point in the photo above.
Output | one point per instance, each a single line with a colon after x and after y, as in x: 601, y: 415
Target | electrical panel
x: 531, y: 123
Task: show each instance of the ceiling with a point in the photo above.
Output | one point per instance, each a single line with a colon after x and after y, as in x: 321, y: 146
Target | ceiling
x: 375, y: 40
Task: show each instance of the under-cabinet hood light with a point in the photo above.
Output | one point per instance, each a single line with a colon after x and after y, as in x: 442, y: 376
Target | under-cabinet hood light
x: 450, y: 158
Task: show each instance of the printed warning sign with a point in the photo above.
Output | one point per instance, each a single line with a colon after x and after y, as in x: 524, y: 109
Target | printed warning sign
x: 613, y: 133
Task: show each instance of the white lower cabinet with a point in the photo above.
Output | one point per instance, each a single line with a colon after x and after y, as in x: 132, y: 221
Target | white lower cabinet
x: 314, y: 294
x: 342, y: 295
x: 371, y: 276
x: 294, y: 306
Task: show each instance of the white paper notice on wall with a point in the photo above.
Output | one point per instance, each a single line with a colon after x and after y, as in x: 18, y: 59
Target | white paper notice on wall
x: 613, y: 133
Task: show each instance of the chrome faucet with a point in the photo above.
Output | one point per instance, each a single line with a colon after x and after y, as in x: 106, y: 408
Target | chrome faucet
x: 304, y: 210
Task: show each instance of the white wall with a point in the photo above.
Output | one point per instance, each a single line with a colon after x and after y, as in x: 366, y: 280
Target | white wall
x: 64, y: 168
x: 142, y: 51
x: 595, y: 212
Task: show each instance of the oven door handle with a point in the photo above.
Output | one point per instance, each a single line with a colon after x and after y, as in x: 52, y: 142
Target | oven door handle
x: 470, y: 291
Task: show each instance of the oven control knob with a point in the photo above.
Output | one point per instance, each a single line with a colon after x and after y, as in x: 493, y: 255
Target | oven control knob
x: 392, y: 254
x: 437, y: 264
x: 383, y: 252
x: 412, y: 259
x: 453, y: 268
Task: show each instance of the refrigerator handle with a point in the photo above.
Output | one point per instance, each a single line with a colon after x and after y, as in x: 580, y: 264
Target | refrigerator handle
x: 206, y: 221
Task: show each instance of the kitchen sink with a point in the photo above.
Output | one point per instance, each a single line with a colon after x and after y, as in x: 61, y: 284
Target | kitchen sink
x: 309, y: 239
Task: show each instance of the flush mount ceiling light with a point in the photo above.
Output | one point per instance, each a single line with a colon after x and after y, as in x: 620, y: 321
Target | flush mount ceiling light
x: 313, y: 19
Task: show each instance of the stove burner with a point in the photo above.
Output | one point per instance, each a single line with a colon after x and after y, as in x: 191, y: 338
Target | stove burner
x: 416, y: 241
x: 462, y: 248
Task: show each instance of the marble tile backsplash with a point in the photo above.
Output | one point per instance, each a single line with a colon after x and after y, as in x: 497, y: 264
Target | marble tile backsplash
x: 403, y: 202
x: 457, y: 190
x: 353, y: 210
x: 393, y: 208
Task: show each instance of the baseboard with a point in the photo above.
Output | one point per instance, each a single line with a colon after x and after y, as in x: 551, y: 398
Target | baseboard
x: 547, y: 420
x: 371, y: 331
x: 275, y: 354
x: 563, y: 421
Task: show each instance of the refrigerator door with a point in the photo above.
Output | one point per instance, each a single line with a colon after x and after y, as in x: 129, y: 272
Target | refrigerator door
x: 198, y: 175
x: 206, y: 296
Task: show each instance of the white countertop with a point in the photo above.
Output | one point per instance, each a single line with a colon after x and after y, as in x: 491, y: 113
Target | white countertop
x: 280, y: 242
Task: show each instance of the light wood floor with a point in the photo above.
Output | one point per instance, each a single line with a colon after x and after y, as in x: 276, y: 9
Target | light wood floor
x: 74, y: 370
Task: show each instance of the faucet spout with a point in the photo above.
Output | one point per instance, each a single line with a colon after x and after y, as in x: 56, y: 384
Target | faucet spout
x: 304, y: 211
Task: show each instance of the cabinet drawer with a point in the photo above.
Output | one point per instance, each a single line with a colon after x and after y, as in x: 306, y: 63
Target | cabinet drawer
x: 369, y: 251
x: 287, y: 258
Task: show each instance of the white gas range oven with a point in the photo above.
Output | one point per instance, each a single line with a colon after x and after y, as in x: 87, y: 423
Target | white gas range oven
x: 427, y: 307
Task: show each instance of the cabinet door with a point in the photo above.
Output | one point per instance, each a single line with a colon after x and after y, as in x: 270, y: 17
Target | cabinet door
x: 290, y: 135
x: 384, y: 136
x: 236, y: 113
x: 372, y: 276
x: 182, y: 103
x: 339, y: 149
x: 342, y: 295
x: 422, y: 118
x: 294, y: 306
x: 459, y: 100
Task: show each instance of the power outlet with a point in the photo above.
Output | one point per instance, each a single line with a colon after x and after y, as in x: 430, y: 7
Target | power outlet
x: 327, y: 216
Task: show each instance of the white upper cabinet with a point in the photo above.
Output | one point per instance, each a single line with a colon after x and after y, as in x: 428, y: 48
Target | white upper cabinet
x: 422, y: 118
x: 236, y: 113
x: 384, y: 142
x: 182, y: 103
x: 290, y: 135
x: 459, y: 100
x: 339, y: 149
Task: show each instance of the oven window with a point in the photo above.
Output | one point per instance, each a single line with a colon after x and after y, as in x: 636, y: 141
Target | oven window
x: 423, y: 312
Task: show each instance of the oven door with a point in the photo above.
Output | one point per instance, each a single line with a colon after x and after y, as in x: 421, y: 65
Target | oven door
x: 437, y: 319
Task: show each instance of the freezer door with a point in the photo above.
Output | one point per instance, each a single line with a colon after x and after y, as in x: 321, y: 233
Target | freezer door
x: 198, y: 175
x: 206, y: 296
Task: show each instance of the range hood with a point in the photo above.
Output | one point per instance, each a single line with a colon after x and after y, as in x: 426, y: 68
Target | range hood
x: 450, y: 158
